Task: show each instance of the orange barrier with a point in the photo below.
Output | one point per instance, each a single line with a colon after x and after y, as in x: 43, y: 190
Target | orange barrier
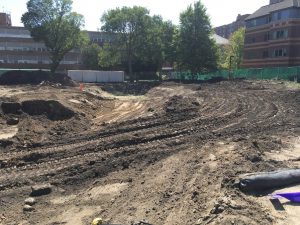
x: 81, y: 86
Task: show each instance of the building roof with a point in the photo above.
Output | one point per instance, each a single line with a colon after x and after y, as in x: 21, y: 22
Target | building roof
x: 265, y: 10
x: 220, y: 40
x: 14, y: 32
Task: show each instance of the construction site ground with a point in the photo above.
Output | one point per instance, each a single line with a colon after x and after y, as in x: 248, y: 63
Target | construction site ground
x: 166, y: 153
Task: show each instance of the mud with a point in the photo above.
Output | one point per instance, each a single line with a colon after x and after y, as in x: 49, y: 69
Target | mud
x: 11, y: 107
x: 16, y: 77
x: 50, y: 108
x: 177, y: 163
x: 120, y: 89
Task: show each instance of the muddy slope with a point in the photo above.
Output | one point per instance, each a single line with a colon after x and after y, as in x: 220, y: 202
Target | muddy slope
x: 175, y: 164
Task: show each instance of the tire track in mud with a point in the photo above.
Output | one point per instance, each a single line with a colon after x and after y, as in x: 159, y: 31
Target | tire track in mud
x: 54, y: 159
x: 227, y: 115
x: 165, y: 124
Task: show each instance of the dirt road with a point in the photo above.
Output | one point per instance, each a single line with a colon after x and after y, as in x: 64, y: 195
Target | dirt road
x: 168, y: 153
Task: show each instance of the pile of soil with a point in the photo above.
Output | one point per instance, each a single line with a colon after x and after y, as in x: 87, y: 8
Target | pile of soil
x: 16, y: 77
x: 139, y: 88
x: 179, y: 104
x: 54, y: 110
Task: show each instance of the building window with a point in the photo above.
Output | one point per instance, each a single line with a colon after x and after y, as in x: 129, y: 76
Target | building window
x: 267, y: 36
x: 280, y: 52
x: 281, y: 15
x: 250, y: 55
x: 265, y: 54
x: 279, y: 34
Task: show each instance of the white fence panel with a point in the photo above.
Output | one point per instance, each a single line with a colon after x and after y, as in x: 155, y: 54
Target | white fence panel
x: 90, y: 76
x: 76, y: 75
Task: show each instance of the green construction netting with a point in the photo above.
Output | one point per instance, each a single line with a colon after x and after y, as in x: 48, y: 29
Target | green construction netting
x: 280, y: 73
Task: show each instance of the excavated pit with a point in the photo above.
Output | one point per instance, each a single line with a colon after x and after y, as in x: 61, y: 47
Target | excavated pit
x: 54, y: 110
x: 11, y: 107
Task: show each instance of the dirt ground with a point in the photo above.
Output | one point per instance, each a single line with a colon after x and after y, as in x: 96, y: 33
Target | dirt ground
x: 166, y: 153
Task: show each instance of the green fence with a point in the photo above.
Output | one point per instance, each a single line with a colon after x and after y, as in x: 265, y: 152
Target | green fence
x: 279, y: 73
x: 4, y: 70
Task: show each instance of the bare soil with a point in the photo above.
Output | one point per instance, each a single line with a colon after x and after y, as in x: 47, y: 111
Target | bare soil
x: 166, y: 153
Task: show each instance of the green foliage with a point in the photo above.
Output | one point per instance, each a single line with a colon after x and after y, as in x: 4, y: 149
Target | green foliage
x: 168, y: 33
x: 129, y: 25
x: 109, y: 56
x: 235, y: 49
x: 142, y: 42
x: 54, y: 23
x: 221, y: 57
x: 90, y: 53
x: 196, y: 50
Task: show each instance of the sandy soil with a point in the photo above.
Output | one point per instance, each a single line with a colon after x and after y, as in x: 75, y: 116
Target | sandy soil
x: 166, y: 153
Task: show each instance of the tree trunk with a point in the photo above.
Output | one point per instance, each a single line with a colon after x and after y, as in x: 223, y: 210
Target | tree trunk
x: 53, y: 67
x: 129, y: 49
x: 55, y: 63
x: 130, y: 69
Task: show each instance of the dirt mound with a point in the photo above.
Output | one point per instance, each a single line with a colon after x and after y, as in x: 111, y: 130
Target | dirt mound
x: 139, y: 88
x: 16, y: 77
x: 54, y: 110
x: 11, y: 107
x: 179, y: 104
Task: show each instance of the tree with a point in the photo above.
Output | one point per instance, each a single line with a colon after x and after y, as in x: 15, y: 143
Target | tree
x: 109, y: 56
x: 150, y: 46
x: 129, y: 25
x: 90, y: 56
x: 141, y: 41
x: 54, y: 23
x: 196, y: 50
x: 169, y: 33
x: 221, y: 56
x: 235, y: 49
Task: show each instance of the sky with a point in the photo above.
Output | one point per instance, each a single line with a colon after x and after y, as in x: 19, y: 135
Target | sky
x: 220, y: 11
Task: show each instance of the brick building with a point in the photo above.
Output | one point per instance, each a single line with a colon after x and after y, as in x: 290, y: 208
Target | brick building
x: 18, y: 50
x: 226, y: 30
x: 5, y: 19
x: 273, y: 35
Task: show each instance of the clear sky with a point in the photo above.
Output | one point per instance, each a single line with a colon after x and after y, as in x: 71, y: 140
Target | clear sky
x: 220, y: 11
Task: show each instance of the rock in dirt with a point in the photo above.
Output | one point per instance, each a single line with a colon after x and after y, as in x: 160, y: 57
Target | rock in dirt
x: 39, y: 190
x: 12, y: 121
x: 30, y: 201
x: 218, y: 208
x: 28, y: 208
x: 3, y: 164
